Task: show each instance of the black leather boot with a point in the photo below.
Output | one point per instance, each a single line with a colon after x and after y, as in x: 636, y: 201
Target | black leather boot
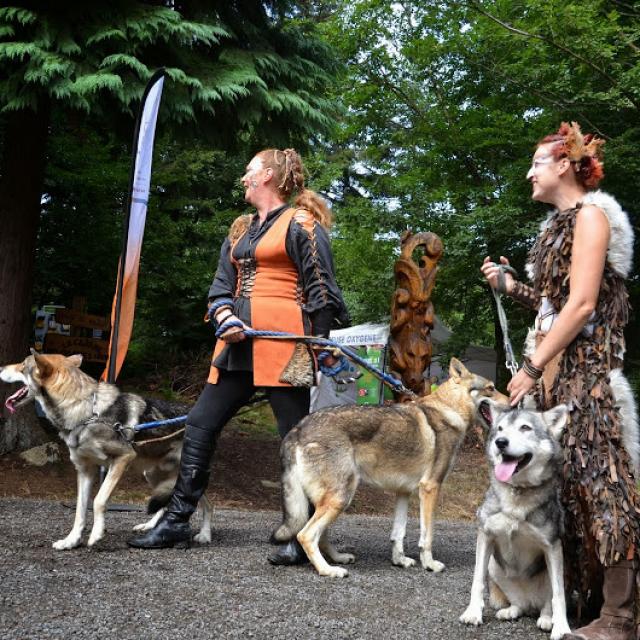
x: 168, y: 533
x: 288, y: 554
x: 173, y: 529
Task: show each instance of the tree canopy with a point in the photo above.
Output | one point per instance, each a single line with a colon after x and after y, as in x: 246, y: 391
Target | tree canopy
x: 411, y: 115
x: 445, y: 102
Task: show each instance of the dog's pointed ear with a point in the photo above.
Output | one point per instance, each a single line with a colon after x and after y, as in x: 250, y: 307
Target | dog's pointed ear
x: 43, y: 366
x: 457, y: 370
x: 556, y: 420
x: 490, y: 411
x: 75, y: 360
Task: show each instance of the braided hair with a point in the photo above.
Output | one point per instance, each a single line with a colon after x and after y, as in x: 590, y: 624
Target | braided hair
x: 288, y: 173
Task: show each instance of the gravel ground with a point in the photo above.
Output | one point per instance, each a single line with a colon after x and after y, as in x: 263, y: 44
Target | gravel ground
x: 227, y: 589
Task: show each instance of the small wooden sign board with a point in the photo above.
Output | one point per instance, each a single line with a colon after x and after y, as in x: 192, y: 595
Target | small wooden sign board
x: 84, y: 320
x: 92, y: 349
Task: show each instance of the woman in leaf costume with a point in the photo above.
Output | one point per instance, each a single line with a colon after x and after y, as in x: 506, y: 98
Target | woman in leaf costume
x: 578, y: 266
x: 275, y: 273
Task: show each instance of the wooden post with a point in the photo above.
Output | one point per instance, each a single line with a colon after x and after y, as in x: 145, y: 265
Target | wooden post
x: 412, y: 312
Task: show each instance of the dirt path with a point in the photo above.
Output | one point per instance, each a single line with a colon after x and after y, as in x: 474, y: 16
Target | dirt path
x: 227, y: 589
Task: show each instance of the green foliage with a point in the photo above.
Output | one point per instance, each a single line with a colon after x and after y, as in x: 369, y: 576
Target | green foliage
x: 225, y: 64
x: 80, y: 228
x: 238, y: 77
x: 445, y: 101
x: 442, y: 103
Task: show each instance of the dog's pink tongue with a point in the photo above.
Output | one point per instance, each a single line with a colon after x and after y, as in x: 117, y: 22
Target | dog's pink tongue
x: 10, y: 401
x: 505, y: 470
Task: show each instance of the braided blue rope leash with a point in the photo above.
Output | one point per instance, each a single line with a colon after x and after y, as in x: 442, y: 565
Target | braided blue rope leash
x: 159, y: 423
x: 386, y: 378
x: 218, y: 304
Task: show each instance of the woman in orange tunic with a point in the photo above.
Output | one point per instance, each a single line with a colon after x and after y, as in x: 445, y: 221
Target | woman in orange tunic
x: 275, y: 273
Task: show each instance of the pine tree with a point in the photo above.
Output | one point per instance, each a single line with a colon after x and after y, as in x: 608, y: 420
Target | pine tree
x: 234, y: 69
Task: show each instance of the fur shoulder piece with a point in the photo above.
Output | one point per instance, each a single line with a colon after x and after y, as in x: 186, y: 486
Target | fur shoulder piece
x: 238, y: 228
x: 620, y: 252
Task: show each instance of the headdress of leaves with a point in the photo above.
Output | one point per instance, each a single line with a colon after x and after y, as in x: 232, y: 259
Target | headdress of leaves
x: 577, y: 145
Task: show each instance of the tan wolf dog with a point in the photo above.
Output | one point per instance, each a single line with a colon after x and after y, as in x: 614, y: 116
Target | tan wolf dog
x: 96, y: 420
x: 399, y: 448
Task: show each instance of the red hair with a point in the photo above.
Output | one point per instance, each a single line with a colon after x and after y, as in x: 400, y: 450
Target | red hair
x: 584, y: 152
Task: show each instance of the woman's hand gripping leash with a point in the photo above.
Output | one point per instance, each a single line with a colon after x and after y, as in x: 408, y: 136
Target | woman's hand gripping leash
x: 501, y: 278
x: 228, y: 326
x: 332, y: 363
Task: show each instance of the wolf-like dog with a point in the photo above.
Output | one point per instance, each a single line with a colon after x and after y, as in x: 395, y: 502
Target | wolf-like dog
x: 399, y: 448
x: 96, y: 420
x: 520, y: 523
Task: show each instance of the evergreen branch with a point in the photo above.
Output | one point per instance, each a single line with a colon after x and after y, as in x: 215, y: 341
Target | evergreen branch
x: 94, y: 82
x: 18, y: 50
x: 179, y: 76
x: 22, y: 16
x: 121, y: 59
x: 6, y: 31
x: 20, y: 103
x: 68, y: 46
x: 101, y: 36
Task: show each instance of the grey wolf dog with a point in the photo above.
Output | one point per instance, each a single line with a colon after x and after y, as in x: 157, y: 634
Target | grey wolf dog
x: 399, y: 448
x: 521, y: 521
x: 94, y: 419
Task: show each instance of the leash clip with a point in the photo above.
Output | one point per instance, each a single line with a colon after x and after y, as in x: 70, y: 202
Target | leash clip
x: 126, y: 433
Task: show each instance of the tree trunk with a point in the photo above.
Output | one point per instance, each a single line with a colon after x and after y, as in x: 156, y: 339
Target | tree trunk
x: 21, y: 186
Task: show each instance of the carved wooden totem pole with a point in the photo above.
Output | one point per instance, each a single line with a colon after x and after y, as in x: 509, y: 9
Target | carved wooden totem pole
x: 412, y: 311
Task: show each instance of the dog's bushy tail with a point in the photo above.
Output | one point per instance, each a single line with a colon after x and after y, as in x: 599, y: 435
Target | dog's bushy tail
x: 295, y: 504
x: 623, y: 394
x: 161, y: 495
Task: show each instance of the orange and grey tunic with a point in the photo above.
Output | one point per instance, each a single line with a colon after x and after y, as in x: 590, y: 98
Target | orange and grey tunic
x: 280, y: 276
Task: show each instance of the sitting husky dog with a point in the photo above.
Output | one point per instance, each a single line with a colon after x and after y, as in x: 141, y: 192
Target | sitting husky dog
x: 521, y: 521
x: 96, y: 422
x: 400, y: 448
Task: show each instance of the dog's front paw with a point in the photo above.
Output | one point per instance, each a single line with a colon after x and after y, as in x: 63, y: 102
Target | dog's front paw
x: 560, y: 630
x: 472, y: 615
x: 70, y: 542
x: 204, y: 537
x: 94, y: 538
x: 334, y: 572
x: 509, y: 613
x: 402, y: 561
x: 144, y: 526
x: 427, y: 561
x: 545, y: 623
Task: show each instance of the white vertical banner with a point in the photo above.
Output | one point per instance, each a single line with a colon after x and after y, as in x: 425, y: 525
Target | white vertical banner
x: 124, y: 301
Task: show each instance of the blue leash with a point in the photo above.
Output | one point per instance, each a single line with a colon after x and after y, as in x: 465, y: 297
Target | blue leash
x: 159, y: 423
x: 386, y: 378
